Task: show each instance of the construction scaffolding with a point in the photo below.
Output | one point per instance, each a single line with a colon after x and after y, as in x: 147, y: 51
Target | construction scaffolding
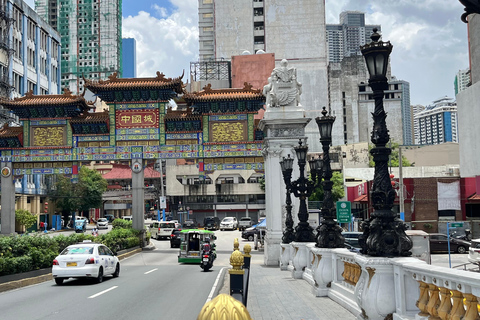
x: 91, y: 33
x: 6, y: 50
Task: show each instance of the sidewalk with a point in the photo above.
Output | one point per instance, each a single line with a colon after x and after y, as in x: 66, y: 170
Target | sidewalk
x: 274, y: 295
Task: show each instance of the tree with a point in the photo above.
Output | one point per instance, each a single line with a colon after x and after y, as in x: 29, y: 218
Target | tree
x: 394, y: 158
x: 337, y: 189
x: 25, y: 218
x: 83, y: 195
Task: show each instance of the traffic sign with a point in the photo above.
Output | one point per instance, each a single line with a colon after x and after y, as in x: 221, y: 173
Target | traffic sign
x: 456, y: 225
x: 344, y: 212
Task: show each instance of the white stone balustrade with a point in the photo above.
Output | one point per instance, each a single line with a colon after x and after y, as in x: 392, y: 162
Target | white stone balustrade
x: 286, y: 256
x: 387, y: 288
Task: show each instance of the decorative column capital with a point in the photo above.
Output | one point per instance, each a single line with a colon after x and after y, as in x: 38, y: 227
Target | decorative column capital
x: 271, y: 152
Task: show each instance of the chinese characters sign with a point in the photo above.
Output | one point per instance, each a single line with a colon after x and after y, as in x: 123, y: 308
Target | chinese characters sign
x: 228, y: 131
x: 137, y: 119
x: 48, y: 136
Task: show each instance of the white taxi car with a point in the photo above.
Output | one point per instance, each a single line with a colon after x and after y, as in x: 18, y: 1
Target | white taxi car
x: 86, y: 259
x: 474, y: 252
x: 229, y: 223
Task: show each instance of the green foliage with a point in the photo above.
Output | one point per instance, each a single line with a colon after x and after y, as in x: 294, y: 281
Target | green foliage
x: 25, y: 218
x: 82, y: 196
x: 262, y: 183
x: 337, y: 189
x: 394, y: 158
x: 22, y: 253
x: 120, y: 223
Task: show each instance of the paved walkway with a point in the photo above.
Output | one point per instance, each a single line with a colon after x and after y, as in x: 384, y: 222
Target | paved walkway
x: 274, y: 295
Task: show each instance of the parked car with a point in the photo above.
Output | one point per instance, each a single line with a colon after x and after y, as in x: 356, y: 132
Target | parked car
x: 474, y: 252
x: 211, y: 223
x: 229, y: 223
x: 109, y: 217
x: 439, y: 243
x: 102, y: 223
x: 351, y: 238
x: 85, y: 260
x: 190, y: 224
x: 175, y: 238
x: 244, y: 223
x: 249, y: 233
x: 127, y: 218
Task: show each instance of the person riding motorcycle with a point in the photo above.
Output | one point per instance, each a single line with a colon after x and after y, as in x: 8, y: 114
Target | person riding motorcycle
x: 206, y: 246
x: 95, y: 232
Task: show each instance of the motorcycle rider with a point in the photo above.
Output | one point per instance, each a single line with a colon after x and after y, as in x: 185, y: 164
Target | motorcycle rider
x: 95, y: 232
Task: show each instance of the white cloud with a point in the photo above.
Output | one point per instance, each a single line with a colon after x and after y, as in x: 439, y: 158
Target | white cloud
x: 429, y: 41
x: 167, y: 44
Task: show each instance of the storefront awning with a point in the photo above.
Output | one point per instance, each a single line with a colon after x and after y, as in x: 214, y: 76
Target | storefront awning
x: 362, y: 198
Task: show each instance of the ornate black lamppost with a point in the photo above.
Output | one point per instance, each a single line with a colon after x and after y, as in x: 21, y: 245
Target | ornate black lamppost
x: 384, y: 234
x: 287, y: 166
x: 471, y: 6
x: 301, y: 188
x: 329, y: 233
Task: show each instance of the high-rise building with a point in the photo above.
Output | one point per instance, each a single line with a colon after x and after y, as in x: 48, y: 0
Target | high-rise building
x: 462, y: 80
x: 351, y: 101
x: 30, y: 50
x: 345, y: 39
x: 438, y: 123
x: 416, y: 129
x: 129, y: 59
x: 291, y: 30
x: 91, y: 33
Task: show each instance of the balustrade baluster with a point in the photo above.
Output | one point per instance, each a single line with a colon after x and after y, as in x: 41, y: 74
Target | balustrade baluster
x: 445, y: 304
x: 433, y: 302
x: 358, y: 272
x: 458, y: 310
x: 472, y: 307
x: 422, y: 301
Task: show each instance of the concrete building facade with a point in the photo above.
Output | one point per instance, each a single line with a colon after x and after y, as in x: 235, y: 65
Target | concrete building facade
x: 29, y: 52
x: 438, y: 123
x: 416, y: 128
x: 462, y: 80
x: 91, y: 34
x: 344, y: 39
x: 468, y: 102
x: 291, y: 30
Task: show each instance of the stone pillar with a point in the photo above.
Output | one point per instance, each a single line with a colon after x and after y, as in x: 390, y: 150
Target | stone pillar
x: 138, y: 202
x: 283, y: 125
x: 8, y: 198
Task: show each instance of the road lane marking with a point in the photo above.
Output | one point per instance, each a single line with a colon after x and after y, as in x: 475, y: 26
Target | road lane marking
x: 212, y: 292
x: 102, y: 292
x: 151, y: 271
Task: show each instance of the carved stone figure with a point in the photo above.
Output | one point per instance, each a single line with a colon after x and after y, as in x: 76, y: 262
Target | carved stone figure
x: 283, y: 89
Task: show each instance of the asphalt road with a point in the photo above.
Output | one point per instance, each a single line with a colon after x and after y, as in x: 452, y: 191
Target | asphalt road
x: 152, y: 285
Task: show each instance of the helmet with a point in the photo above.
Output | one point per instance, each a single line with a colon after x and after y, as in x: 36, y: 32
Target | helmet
x: 207, y: 239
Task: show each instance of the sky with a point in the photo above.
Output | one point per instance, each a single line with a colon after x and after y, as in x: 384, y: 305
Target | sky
x: 429, y: 39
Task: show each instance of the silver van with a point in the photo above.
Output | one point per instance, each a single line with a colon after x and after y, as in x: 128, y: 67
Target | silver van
x: 161, y: 229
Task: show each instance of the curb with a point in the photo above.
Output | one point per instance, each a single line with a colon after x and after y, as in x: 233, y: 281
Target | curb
x: 48, y: 277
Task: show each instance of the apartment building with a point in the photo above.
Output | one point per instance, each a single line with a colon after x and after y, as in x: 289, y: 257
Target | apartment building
x: 438, y: 123
x: 91, y: 34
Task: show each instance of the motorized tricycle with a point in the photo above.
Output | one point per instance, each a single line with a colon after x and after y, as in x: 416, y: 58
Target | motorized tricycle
x: 80, y: 226
x: 191, y: 243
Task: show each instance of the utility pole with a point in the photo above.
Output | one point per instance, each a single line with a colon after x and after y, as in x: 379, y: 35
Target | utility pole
x: 400, y: 184
x: 162, y: 201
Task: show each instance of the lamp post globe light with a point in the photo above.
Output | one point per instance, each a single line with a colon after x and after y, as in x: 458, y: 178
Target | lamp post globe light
x: 287, y: 166
x: 383, y: 234
x: 301, y: 188
x: 329, y: 233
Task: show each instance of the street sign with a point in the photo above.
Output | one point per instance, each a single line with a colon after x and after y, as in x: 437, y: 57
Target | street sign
x: 344, y: 212
x: 163, y: 202
x: 456, y: 225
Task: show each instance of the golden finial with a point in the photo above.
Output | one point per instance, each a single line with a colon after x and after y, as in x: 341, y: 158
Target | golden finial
x: 236, y: 244
x: 236, y: 260
x: 247, y: 249
x: 224, y: 306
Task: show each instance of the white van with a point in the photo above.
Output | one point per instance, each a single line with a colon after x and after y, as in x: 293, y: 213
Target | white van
x: 421, y: 244
x: 127, y: 218
x: 161, y: 229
